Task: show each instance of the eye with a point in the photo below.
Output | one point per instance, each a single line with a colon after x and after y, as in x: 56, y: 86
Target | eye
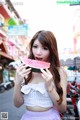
x: 35, y: 46
x: 45, y: 48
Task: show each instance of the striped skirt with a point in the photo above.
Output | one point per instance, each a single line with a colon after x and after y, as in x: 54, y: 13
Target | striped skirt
x: 51, y: 114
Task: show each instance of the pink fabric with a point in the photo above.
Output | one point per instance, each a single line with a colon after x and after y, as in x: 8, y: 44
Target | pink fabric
x: 51, y: 114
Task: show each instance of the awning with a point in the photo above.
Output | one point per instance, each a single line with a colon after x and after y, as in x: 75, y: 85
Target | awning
x: 2, y: 34
x: 5, y: 11
x: 4, y: 53
x: 5, y: 59
x: 12, y: 21
x: 3, y: 47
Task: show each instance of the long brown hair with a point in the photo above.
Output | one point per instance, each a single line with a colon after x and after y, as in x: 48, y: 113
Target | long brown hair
x: 47, y: 38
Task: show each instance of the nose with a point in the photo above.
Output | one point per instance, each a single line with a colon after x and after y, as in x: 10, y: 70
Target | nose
x: 39, y: 51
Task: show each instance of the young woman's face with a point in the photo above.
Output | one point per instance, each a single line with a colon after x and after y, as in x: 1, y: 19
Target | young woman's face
x: 40, y: 52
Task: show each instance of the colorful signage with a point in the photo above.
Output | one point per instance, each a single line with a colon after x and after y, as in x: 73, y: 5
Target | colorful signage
x: 15, y: 30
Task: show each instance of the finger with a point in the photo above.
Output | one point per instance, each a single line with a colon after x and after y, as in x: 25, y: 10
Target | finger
x: 26, y: 74
x: 26, y: 71
x: 22, y: 64
x: 22, y: 67
x: 48, y: 71
x: 43, y: 71
x: 19, y: 68
x: 43, y: 76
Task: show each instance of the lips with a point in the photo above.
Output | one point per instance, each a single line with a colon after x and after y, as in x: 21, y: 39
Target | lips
x: 37, y: 58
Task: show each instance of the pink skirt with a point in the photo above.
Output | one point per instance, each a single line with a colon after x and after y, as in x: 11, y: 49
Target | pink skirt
x: 51, y: 114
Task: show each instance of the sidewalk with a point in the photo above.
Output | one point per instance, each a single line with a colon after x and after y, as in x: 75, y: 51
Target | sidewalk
x: 6, y: 105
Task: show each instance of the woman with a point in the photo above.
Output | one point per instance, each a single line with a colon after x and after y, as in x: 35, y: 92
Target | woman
x: 44, y: 94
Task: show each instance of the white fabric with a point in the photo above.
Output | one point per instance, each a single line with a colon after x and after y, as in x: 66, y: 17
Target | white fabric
x: 36, y: 95
x: 78, y: 106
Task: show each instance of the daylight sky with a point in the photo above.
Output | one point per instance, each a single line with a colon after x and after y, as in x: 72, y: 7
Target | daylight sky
x: 46, y: 14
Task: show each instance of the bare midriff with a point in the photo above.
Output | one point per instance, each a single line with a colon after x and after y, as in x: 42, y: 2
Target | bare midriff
x: 37, y: 109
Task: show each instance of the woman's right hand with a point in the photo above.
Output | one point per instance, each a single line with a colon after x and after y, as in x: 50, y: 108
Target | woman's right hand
x: 21, y: 72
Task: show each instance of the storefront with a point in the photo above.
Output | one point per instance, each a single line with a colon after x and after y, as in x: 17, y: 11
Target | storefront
x: 5, y: 59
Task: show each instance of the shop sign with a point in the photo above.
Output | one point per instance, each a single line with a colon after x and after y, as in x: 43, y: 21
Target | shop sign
x: 15, y: 30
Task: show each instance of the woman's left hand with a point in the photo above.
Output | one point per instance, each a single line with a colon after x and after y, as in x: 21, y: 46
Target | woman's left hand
x: 46, y: 74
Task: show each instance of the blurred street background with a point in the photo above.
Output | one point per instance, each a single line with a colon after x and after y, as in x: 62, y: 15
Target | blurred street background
x: 6, y: 105
x: 19, y: 20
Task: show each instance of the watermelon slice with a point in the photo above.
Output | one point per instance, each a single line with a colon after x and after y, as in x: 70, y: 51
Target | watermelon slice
x: 35, y: 64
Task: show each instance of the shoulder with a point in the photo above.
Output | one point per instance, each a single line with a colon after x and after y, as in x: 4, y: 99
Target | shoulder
x: 62, y: 72
x: 63, y: 76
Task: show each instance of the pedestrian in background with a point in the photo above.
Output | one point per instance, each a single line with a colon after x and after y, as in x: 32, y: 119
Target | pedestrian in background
x: 43, y: 94
x: 5, y: 74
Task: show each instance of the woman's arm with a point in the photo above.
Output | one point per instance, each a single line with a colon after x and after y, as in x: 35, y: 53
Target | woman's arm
x: 54, y: 95
x: 21, y: 72
x: 52, y: 90
x: 17, y: 95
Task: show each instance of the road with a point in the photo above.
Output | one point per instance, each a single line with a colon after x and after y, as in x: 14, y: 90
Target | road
x: 6, y: 105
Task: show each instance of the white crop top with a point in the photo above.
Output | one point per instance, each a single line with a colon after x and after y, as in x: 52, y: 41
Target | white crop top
x: 36, y: 95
